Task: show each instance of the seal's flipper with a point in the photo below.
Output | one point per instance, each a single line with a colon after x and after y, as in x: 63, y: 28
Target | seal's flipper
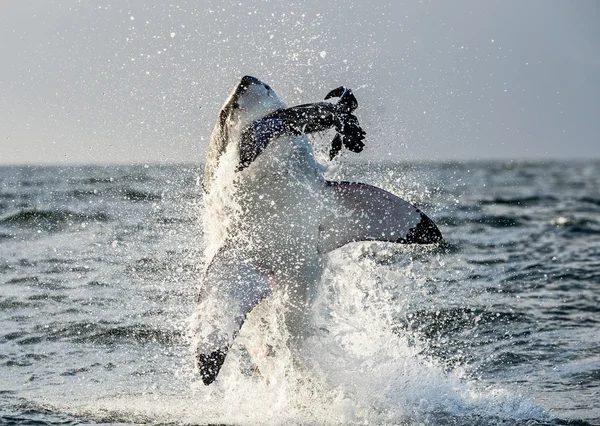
x: 336, y: 146
x: 232, y: 288
x: 346, y: 96
x: 367, y: 213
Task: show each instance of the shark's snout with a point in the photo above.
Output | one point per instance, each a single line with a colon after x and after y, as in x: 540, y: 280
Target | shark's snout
x: 245, y: 85
x: 247, y: 80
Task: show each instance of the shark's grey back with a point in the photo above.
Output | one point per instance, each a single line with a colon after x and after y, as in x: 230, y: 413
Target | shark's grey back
x: 216, y: 148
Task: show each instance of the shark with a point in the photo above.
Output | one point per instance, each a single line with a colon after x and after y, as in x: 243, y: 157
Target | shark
x: 271, y: 216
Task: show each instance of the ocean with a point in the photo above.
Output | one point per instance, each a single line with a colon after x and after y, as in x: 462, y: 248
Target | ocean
x: 498, y: 325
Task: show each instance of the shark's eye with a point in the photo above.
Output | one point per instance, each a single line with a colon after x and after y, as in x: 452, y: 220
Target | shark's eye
x: 268, y: 87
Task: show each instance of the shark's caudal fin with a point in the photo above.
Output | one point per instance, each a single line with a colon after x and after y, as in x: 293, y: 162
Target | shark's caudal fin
x: 232, y: 288
x: 367, y: 213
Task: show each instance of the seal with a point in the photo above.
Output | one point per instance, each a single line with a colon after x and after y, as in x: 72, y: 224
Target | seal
x: 271, y: 216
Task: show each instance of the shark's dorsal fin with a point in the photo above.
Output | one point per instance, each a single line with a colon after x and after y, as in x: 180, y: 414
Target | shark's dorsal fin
x: 366, y: 213
x: 232, y: 288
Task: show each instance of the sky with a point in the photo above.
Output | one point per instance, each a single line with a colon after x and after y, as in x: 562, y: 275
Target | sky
x: 116, y: 81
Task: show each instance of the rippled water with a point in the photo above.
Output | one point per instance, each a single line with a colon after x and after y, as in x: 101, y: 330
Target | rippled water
x: 499, y: 325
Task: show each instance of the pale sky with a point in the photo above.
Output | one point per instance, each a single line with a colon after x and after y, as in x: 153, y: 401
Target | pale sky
x: 113, y: 81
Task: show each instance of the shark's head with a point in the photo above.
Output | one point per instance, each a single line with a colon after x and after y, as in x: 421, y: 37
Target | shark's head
x: 250, y: 100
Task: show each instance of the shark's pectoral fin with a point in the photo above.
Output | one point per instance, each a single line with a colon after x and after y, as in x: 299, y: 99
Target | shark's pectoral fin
x: 366, y: 213
x: 232, y: 288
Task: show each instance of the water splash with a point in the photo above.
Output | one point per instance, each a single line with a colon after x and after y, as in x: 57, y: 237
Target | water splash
x: 355, y: 369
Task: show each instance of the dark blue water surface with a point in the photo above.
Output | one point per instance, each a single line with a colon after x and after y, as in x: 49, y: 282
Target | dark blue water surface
x: 99, y: 266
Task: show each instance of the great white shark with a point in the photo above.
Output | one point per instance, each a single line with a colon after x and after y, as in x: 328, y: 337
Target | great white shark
x: 271, y: 216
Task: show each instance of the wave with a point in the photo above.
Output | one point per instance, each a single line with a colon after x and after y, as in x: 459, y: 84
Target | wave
x: 116, y: 177
x: 590, y: 200
x: 573, y: 227
x: 451, y: 320
x: 12, y: 303
x: 582, y: 230
x: 83, y: 193
x: 35, y: 281
x: 501, y: 221
x: 49, y: 220
x: 92, y: 180
x: 135, y: 195
x: 109, y: 334
x: 494, y: 221
x: 22, y: 412
x: 535, y: 200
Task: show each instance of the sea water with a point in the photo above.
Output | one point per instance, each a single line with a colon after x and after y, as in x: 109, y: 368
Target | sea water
x: 500, y: 324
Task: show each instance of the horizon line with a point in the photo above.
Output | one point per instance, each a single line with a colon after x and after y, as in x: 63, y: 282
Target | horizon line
x: 347, y: 161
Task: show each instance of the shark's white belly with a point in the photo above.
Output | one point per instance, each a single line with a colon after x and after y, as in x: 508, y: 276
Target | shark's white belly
x: 281, y: 200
